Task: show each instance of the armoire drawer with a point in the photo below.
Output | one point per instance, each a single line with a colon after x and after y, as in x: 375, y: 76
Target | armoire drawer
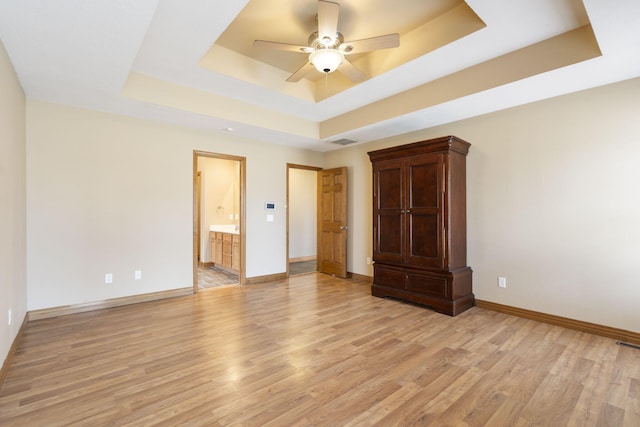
x: 388, y: 277
x: 428, y: 285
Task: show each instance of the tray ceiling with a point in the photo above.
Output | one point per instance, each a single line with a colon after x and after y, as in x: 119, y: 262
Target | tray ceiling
x: 193, y: 64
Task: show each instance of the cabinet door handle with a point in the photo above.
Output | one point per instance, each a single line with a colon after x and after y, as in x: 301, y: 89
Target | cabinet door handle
x: 344, y: 227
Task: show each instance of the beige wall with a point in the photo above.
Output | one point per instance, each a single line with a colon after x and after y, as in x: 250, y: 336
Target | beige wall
x: 552, y: 203
x: 13, y: 285
x: 110, y: 194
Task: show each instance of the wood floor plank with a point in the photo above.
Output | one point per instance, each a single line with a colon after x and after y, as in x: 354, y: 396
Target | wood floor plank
x: 313, y: 350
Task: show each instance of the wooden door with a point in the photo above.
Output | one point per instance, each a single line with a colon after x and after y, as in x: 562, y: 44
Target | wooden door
x: 388, y: 211
x: 332, y: 221
x: 424, y: 245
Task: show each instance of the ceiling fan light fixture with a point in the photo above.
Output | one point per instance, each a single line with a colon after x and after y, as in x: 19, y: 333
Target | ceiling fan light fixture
x: 326, y: 60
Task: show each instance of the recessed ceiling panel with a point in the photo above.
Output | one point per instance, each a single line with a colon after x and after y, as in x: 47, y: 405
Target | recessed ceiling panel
x: 423, y: 26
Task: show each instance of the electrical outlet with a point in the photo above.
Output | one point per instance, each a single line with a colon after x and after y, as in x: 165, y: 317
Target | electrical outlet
x: 368, y: 260
x: 137, y: 274
x: 108, y: 278
x: 502, y: 282
x: 9, y: 317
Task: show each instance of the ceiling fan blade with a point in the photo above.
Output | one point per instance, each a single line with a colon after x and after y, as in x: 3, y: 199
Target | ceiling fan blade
x: 302, y: 71
x: 280, y: 46
x: 328, y: 20
x: 350, y: 70
x: 373, y: 43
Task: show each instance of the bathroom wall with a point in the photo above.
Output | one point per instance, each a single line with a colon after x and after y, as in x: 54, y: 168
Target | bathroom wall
x: 220, y: 197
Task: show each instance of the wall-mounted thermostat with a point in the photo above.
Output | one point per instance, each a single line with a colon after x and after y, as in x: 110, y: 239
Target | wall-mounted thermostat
x: 270, y: 206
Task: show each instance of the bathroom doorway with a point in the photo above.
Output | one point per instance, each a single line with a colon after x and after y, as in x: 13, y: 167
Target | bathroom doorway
x: 302, y: 219
x: 218, y: 220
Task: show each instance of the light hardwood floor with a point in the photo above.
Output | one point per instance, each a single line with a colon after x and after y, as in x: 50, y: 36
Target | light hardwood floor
x: 313, y: 350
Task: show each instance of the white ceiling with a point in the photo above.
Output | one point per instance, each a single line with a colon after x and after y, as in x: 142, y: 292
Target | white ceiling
x: 99, y: 54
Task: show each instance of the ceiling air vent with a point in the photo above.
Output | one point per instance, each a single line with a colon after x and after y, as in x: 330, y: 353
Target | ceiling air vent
x: 343, y: 141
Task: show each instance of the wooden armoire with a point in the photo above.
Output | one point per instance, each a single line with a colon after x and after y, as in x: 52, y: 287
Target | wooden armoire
x: 419, y: 224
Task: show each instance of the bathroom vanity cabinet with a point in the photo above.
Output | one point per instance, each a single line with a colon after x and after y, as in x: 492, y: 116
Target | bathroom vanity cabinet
x: 225, y: 250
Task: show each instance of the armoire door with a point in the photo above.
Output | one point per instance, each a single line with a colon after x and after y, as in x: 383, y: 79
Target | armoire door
x: 425, y: 187
x: 388, y: 216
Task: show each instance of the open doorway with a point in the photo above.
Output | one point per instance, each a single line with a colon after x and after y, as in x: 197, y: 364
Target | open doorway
x: 301, y: 219
x: 219, y: 220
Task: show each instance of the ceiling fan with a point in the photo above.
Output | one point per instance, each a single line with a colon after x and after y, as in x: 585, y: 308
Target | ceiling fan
x: 327, y: 48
